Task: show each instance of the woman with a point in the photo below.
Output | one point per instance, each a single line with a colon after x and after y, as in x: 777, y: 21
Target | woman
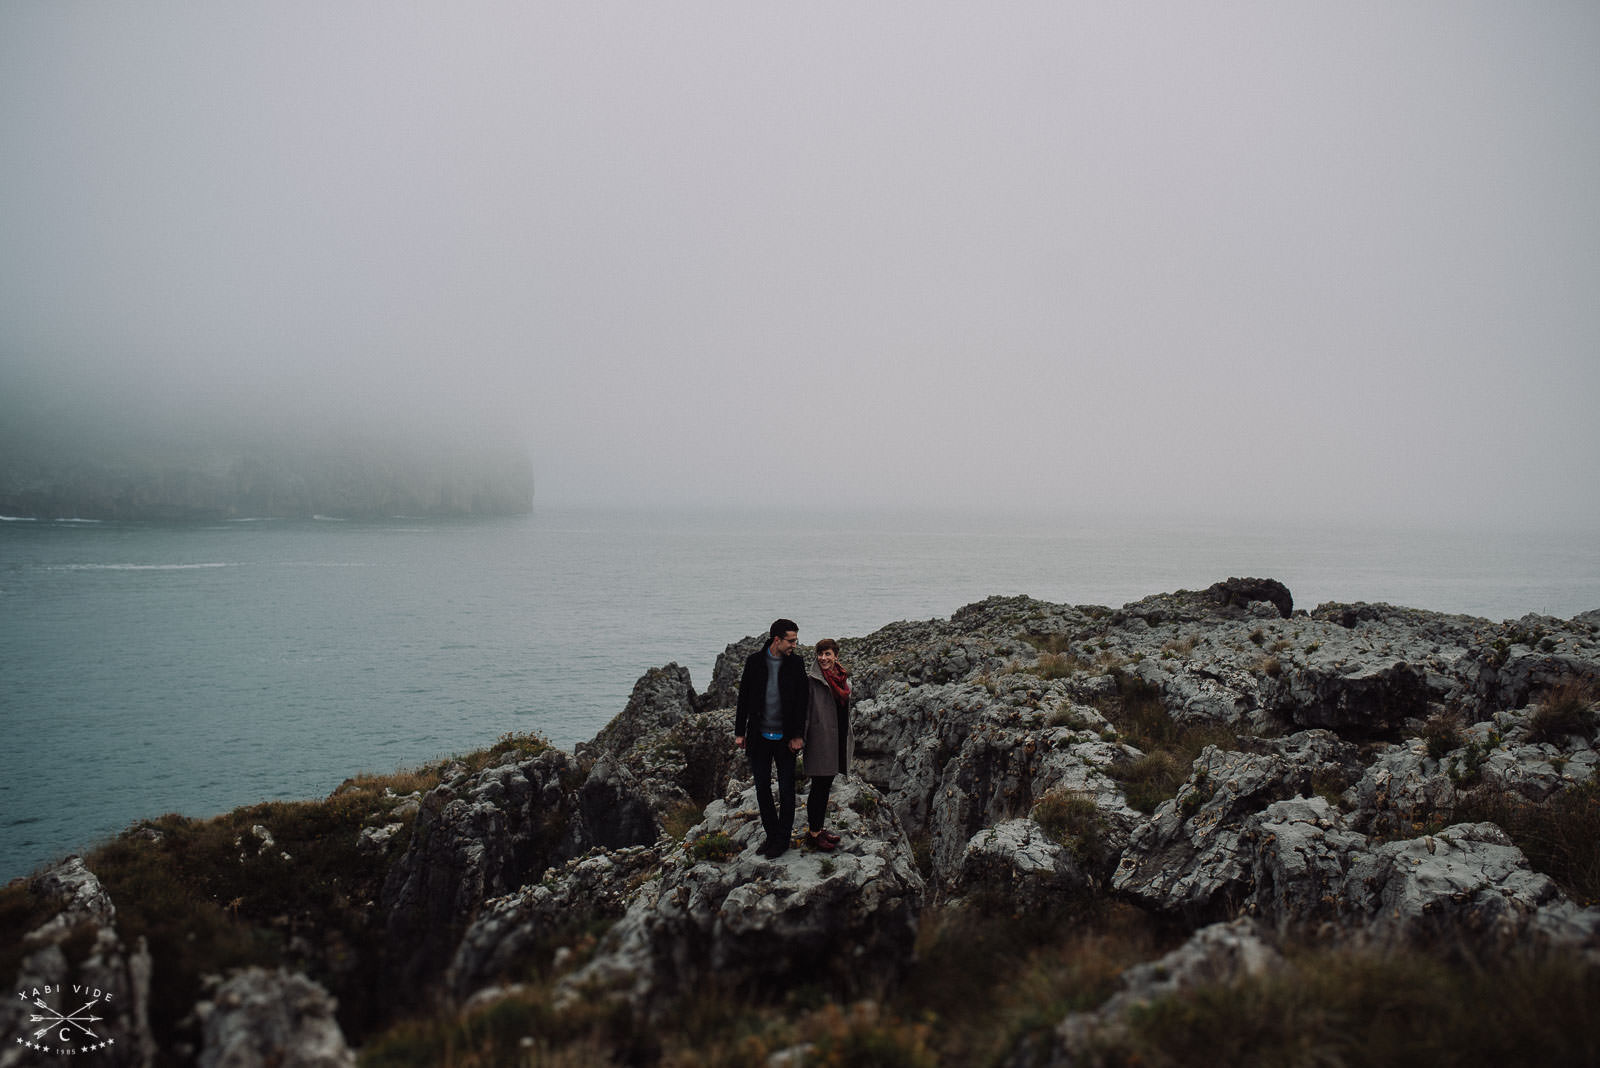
x: 828, y: 740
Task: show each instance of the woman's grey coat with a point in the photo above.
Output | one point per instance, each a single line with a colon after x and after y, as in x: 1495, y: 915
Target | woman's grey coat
x: 827, y: 752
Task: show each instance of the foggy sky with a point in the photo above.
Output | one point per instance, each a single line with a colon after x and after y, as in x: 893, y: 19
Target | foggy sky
x: 1257, y: 258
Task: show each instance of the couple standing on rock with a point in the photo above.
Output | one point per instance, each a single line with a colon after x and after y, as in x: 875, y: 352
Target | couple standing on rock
x: 785, y: 708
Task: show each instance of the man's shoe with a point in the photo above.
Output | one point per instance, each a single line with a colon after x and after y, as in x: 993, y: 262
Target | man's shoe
x: 766, y: 849
x: 777, y: 849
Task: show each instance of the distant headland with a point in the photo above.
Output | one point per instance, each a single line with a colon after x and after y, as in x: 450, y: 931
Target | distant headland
x: 355, y: 476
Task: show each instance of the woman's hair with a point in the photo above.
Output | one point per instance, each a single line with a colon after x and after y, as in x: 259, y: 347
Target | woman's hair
x: 828, y: 643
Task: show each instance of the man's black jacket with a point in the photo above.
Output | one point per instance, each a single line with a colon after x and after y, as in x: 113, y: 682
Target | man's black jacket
x: 794, y: 694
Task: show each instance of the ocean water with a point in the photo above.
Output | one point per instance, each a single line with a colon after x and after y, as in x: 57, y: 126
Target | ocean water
x: 147, y: 669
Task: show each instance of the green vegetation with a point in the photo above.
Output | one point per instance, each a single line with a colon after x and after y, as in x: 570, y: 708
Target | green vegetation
x: 1566, y: 710
x: 1560, y: 836
x: 865, y: 804
x: 986, y: 979
x: 1169, y: 748
x: 681, y: 819
x: 1048, y: 644
x: 715, y: 847
x: 1443, y: 734
x: 1073, y: 820
x: 1057, y: 666
x: 281, y: 883
x: 1346, y: 1007
x: 524, y: 1028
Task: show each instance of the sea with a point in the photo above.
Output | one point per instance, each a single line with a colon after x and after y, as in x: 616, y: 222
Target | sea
x: 148, y: 669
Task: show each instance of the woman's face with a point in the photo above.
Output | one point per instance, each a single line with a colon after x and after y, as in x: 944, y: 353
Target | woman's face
x: 827, y: 658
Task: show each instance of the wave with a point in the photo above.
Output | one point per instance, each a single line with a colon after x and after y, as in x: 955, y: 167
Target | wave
x: 132, y: 567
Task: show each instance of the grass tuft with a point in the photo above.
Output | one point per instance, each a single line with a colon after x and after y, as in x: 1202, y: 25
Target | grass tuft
x: 1567, y: 709
x: 1073, y: 820
x: 1443, y: 734
x: 1350, y: 1007
x: 1169, y: 747
x: 1560, y: 836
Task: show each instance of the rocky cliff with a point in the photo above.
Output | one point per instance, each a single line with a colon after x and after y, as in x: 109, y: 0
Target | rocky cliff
x: 1070, y: 833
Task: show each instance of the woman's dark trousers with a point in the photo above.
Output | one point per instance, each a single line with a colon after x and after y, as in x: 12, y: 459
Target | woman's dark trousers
x: 817, y: 801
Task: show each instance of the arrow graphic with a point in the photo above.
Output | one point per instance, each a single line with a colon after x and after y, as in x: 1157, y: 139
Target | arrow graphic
x: 76, y: 1019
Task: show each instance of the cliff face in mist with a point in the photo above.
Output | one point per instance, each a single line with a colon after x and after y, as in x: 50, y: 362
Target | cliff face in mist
x: 350, y: 478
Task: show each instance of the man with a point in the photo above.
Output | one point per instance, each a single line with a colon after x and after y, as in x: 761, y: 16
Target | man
x: 769, y: 724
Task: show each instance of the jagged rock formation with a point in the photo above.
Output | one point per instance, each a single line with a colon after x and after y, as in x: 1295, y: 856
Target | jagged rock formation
x: 262, y: 1019
x: 998, y: 767
x: 724, y: 917
x: 76, y: 958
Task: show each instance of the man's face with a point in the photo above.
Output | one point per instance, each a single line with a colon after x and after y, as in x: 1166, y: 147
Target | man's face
x: 784, y: 644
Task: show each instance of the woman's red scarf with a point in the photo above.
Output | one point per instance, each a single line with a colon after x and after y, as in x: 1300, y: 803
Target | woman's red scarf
x: 838, y: 680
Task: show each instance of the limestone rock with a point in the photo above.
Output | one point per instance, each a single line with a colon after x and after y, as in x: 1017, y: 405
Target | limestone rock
x: 1224, y: 600
x: 1015, y: 861
x: 76, y: 960
x: 1217, y: 954
x: 1466, y: 880
x: 510, y: 936
x: 661, y: 697
x: 476, y: 837
x: 271, y: 1019
x: 845, y: 919
x: 1367, y: 698
x: 1192, y: 857
x: 728, y: 670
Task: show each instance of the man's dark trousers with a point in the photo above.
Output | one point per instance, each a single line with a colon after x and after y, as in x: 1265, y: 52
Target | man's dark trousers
x: 763, y: 754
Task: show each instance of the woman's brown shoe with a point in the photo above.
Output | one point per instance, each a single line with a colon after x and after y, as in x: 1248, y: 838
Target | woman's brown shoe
x: 819, y: 841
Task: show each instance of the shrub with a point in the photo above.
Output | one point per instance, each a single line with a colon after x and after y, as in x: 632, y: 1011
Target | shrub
x: 1048, y: 643
x: 985, y: 978
x: 1347, y: 1007
x: 866, y: 1037
x: 21, y: 911
x: 1567, y: 709
x: 681, y: 818
x: 1443, y: 733
x: 1169, y: 748
x: 1056, y: 666
x: 1560, y: 836
x: 1064, y: 716
x: 523, y: 1029
x: 715, y: 847
x: 1176, y: 648
x: 1073, y: 820
x: 1151, y: 779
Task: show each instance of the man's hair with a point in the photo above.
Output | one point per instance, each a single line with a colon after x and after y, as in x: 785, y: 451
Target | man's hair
x: 780, y: 627
x: 827, y: 643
